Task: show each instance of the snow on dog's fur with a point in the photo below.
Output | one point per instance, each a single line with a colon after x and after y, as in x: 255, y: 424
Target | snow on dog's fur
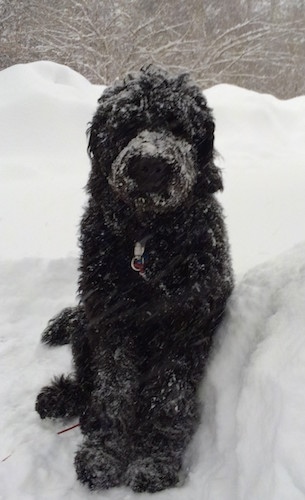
x: 141, y: 334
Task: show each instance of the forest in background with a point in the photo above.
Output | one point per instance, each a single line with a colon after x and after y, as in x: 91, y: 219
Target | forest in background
x: 257, y: 44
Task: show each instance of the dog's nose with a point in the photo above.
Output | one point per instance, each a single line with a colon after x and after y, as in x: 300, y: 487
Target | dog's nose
x: 150, y: 174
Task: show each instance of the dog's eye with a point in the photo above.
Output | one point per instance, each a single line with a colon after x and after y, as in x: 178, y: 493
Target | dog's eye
x: 176, y: 128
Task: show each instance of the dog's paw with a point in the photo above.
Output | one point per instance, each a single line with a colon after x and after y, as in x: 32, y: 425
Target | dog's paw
x: 98, y: 467
x: 59, y: 400
x: 58, y: 330
x: 47, y: 403
x: 151, y: 474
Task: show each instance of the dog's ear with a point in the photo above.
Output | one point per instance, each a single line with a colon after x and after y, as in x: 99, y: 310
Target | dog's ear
x: 209, y: 176
x: 201, y: 127
x: 91, y: 137
x: 96, y: 143
x: 210, y: 179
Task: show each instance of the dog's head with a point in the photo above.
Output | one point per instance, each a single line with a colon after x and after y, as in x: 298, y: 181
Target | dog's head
x: 151, y: 141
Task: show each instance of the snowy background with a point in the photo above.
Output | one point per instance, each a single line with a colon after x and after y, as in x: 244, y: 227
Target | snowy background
x: 251, y: 443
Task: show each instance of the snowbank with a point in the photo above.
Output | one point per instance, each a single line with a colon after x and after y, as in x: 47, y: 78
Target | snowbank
x: 45, y: 109
x: 251, y: 440
x: 261, y: 140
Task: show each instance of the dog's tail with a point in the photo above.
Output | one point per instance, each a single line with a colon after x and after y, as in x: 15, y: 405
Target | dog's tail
x: 62, y: 327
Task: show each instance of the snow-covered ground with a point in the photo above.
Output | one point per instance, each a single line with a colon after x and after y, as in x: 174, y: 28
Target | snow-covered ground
x: 251, y: 443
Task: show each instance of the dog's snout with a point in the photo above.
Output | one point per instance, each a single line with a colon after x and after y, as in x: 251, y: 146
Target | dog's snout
x: 154, y: 172
x: 150, y: 174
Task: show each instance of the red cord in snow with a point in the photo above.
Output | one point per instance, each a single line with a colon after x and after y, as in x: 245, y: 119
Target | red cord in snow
x: 59, y: 432
x: 68, y: 429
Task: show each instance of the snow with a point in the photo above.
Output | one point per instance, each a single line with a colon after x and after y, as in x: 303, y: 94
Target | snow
x: 261, y: 141
x: 45, y: 109
x: 250, y: 445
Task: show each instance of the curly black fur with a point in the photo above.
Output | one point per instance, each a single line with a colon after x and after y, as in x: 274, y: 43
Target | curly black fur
x: 140, y: 340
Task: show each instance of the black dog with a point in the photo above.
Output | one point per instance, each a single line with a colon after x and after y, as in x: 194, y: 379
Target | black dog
x: 155, y: 276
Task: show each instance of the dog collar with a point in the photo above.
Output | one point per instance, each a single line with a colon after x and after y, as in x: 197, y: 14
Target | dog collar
x: 138, y: 260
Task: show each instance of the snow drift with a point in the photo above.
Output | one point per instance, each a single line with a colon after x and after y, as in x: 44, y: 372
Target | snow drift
x: 250, y: 445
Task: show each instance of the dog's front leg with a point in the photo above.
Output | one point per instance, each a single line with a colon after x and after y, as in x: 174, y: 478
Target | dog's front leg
x: 169, y: 414
x: 110, y: 416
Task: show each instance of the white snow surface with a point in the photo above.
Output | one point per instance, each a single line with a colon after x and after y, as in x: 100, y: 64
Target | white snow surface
x: 251, y: 442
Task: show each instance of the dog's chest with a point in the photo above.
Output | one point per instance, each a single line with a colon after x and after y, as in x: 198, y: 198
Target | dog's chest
x: 155, y: 258
x: 141, y: 267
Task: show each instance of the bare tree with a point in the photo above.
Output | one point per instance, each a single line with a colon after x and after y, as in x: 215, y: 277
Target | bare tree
x: 259, y: 45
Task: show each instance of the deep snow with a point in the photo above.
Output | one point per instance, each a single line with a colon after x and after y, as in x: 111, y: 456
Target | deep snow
x: 251, y: 443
